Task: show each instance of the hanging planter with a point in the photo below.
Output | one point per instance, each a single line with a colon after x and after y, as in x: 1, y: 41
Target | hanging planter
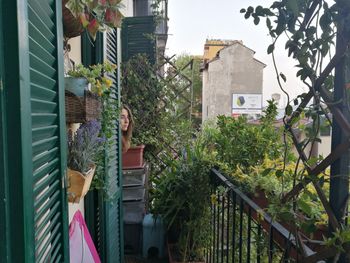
x: 84, y: 146
x: 79, y: 184
x: 82, y: 109
x: 94, y: 16
x: 72, y: 27
x: 84, y: 87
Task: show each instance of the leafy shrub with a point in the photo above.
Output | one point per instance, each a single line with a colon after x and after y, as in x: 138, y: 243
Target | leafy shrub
x: 182, y: 197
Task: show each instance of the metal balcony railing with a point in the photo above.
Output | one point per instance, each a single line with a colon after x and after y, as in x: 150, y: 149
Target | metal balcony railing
x: 243, y: 232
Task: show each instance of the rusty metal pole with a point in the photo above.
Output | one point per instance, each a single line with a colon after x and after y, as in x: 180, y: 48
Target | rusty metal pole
x: 339, y: 182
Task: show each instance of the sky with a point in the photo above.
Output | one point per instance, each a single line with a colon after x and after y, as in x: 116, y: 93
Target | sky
x: 191, y: 22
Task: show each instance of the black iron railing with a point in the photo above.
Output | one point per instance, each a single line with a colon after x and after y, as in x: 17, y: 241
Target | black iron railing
x: 243, y: 232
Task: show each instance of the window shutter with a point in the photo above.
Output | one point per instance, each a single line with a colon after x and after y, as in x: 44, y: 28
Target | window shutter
x: 103, y: 216
x: 138, y: 37
x: 35, y: 132
x: 113, y: 208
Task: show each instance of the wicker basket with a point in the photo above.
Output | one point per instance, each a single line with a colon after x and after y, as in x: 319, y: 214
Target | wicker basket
x: 72, y: 26
x: 79, y: 184
x: 82, y: 109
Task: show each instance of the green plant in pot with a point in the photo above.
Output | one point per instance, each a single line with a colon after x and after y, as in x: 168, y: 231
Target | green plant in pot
x: 182, y: 198
x: 83, y: 148
x: 81, y: 77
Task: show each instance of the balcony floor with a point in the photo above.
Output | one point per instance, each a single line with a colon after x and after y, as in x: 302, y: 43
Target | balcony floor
x: 139, y: 259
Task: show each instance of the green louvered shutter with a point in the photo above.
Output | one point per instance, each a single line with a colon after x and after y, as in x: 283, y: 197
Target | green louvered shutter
x: 35, y: 132
x: 138, y: 37
x: 3, y: 252
x: 92, y: 53
x: 113, y: 208
x: 103, y: 216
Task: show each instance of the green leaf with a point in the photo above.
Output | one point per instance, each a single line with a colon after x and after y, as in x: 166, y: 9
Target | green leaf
x: 242, y: 10
x: 293, y: 6
x: 259, y: 10
x: 270, y: 49
x: 304, y: 206
x: 250, y: 9
x: 268, y: 23
x: 289, y: 110
x: 283, y: 77
x: 266, y: 171
x: 256, y: 20
x: 279, y: 173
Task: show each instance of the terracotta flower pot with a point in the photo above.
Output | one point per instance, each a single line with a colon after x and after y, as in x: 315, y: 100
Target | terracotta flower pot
x: 79, y: 184
x: 133, y: 158
x: 259, y: 197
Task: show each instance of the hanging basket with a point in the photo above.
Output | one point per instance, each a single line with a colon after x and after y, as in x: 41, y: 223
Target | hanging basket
x: 72, y: 26
x: 79, y: 184
x: 82, y: 109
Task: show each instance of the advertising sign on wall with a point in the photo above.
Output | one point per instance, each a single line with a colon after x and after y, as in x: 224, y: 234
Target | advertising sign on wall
x: 246, y: 104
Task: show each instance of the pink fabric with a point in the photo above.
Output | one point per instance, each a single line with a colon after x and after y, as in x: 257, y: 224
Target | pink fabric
x: 81, y: 246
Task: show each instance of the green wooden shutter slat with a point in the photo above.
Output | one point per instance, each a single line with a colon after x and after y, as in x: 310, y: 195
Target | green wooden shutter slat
x: 55, y: 254
x: 40, y: 18
x: 41, y: 92
x: 40, y: 160
x: 47, y: 230
x: 51, y: 241
x: 42, y: 39
x: 42, y: 66
x: 44, y: 119
x: 40, y: 186
x: 45, y: 6
x: 38, y: 50
x: 38, y: 78
x: 44, y: 132
x: 42, y: 80
x: 43, y: 171
x: 46, y: 194
x: 56, y: 243
x: 43, y: 106
x: 39, y: 36
x: 52, y: 202
x: 42, y: 242
x: 49, y: 218
x: 42, y: 145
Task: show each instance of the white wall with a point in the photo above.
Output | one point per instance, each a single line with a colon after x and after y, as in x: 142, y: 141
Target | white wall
x: 75, y: 55
x: 128, y: 9
x: 324, y: 148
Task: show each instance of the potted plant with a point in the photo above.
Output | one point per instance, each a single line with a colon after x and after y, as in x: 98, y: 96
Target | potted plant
x: 133, y: 157
x: 84, y: 86
x: 83, y: 148
x: 182, y: 198
x: 93, y: 16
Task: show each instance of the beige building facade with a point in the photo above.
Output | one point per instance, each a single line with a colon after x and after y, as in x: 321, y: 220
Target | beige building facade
x: 232, y: 83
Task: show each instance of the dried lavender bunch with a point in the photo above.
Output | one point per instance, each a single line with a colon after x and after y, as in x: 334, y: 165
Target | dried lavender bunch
x: 84, y: 146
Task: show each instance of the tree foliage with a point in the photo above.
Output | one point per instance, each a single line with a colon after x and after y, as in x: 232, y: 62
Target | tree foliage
x: 316, y: 33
